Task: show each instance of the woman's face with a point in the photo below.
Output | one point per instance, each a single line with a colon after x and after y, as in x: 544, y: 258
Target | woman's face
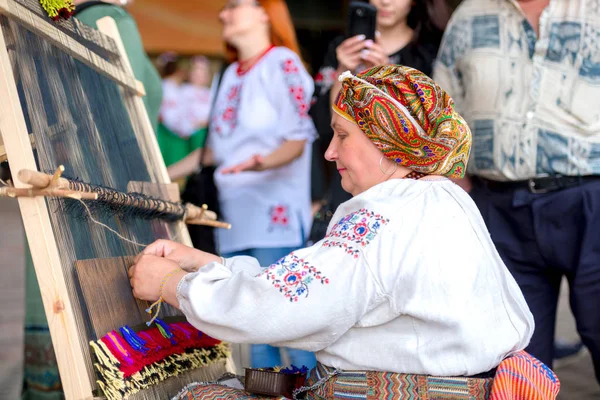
x: 240, y: 17
x: 200, y: 74
x: 356, y: 157
x: 392, y: 12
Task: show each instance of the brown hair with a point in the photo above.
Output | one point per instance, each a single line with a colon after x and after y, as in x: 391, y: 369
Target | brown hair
x: 282, y: 31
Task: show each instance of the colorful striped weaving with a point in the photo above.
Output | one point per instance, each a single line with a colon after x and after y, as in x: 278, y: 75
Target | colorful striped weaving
x: 523, y: 377
x: 372, y: 385
x: 215, y: 391
x: 127, y: 361
x: 519, y: 377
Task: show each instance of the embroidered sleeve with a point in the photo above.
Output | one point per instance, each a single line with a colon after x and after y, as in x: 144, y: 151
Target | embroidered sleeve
x: 294, y: 99
x: 305, y: 300
x: 355, y: 231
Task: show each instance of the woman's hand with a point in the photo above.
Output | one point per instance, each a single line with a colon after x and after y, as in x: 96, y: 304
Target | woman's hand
x: 255, y: 163
x: 348, y: 53
x: 374, y: 55
x: 188, y: 259
x: 283, y: 155
x: 149, y: 272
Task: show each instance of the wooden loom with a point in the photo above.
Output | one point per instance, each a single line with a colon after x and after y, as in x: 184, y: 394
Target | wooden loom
x: 17, y: 146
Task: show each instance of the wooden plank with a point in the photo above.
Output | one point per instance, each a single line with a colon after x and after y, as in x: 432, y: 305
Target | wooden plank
x: 109, y: 309
x: 57, y: 305
x: 44, y: 28
x: 3, y: 156
x: 139, y: 116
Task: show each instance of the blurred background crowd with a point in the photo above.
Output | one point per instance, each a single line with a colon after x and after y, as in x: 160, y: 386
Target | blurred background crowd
x: 521, y: 72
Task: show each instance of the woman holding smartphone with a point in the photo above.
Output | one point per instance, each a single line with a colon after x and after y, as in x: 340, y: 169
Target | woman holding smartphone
x: 404, y: 35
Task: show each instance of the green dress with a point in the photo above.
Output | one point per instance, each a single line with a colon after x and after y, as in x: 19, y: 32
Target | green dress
x: 175, y: 148
x: 42, y: 381
x: 142, y: 67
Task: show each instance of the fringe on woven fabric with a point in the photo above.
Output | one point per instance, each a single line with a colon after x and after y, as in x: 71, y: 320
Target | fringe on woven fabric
x: 58, y: 9
x: 115, y: 385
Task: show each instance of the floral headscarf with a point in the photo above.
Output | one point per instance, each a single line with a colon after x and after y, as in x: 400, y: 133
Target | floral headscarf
x: 408, y: 117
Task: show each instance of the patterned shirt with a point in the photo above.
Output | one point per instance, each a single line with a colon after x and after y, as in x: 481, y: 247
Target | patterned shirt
x: 533, y: 103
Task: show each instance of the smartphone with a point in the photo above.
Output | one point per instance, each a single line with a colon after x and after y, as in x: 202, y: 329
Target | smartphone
x: 362, y: 20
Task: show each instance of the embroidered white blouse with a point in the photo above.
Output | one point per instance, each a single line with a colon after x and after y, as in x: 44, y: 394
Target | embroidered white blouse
x: 407, y: 280
x: 185, y: 108
x: 255, y: 113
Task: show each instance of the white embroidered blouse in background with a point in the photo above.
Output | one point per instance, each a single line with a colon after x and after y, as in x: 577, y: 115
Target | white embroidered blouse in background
x: 255, y: 112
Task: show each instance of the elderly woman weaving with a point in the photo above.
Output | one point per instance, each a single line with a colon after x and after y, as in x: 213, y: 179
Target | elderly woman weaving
x: 407, y: 280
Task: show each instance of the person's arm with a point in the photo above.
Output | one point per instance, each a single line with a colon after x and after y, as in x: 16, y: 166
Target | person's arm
x: 132, y: 41
x: 349, y: 55
x: 309, y: 298
x: 291, y: 90
x: 283, y: 155
x: 189, y: 164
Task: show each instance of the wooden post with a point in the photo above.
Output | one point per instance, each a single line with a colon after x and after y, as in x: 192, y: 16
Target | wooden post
x: 63, y: 330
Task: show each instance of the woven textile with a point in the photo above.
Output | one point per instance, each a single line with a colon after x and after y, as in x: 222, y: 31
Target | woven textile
x: 215, y: 391
x: 519, y: 377
x: 408, y: 117
x: 373, y: 385
x: 523, y: 377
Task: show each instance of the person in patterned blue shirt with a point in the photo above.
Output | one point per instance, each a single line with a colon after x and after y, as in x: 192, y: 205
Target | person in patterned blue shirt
x: 526, y: 77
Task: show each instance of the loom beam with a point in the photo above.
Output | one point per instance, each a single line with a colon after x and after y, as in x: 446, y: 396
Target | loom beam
x: 192, y: 214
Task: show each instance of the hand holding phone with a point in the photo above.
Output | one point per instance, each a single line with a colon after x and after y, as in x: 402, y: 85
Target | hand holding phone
x: 362, y: 20
x: 349, y: 52
x: 374, y: 56
x: 361, y: 49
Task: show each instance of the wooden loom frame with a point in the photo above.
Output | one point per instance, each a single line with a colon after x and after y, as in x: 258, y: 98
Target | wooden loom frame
x: 17, y: 147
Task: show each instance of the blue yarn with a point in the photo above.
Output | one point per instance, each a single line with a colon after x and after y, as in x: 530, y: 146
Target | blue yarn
x: 165, y: 330
x: 133, y: 339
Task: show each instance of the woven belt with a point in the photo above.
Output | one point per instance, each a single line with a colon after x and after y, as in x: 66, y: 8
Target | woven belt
x: 544, y: 184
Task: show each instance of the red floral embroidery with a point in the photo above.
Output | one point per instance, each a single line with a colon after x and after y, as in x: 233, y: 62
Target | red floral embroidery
x: 279, y: 217
x: 224, y: 120
x: 233, y: 93
x: 292, y: 275
x: 353, y: 251
x: 294, y: 82
x: 289, y: 67
x: 325, y: 79
x: 359, y: 227
x: 228, y: 114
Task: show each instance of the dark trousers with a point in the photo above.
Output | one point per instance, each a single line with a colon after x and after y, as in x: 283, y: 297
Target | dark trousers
x: 541, y: 238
